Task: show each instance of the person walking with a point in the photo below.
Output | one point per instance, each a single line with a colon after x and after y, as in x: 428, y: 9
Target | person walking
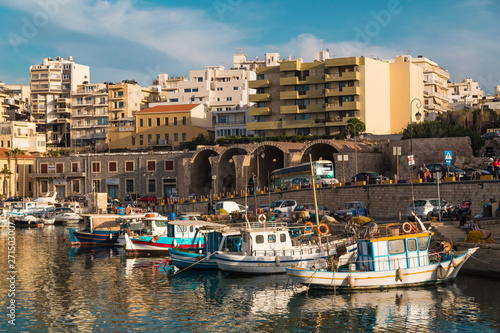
x: 496, y: 167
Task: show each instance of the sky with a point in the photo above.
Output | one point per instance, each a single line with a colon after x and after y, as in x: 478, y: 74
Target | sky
x: 138, y: 39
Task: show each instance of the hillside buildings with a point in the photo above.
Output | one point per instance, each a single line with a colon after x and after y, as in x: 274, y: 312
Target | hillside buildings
x: 14, y: 101
x: 465, y: 94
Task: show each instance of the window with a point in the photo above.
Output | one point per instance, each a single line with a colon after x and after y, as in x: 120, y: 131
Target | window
x: 200, y: 79
x: 141, y: 122
x: 423, y: 243
x: 150, y: 138
x: 157, y: 121
x: 129, y: 166
x: 412, y: 244
x: 44, y: 186
x: 141, y: 139
x: 151, y: 165
x: 176, y: 137
x: 396, y: 246
x: 59, y: 167
x: 76, y: 186
x: 133, y: 140
x: 219, y: 109
x: 260, y: 77
x: 120, y: 93
x: 167, y: 137
x: 259, y: 239
x: 184, y: 120
x: 166, y: 121
x: 183, y: 136
x: 235, y: 88
x: 96, y: 167
x: 173, y: 100
x: 187, y: 90
x: 195, y: 89
x: 175, y: 120
x: 44, y: 168
x: 219, y: 88
x: 149, y: 122
x: 271, y: 238
x: 129, y: 185
x: 157, y: 138
x: 121, y: 105
x: 169, y: 165
x: 112, y: 167
x: 282, y: 238
x: 151, y: 185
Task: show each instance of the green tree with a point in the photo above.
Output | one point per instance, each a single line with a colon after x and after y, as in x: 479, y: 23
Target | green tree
x: 355, y: 126
x: 5, y: 172
x: 200, y: 140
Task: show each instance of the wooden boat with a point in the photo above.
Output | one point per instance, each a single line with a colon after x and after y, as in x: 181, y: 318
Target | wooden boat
x: 163, y: 234
x: 389, y: 257
x: 215, y: 236
x: 99, y: 229
x: 267, y: 248
x: 28, y: 221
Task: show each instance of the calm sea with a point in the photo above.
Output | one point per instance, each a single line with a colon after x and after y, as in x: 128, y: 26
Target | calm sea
x: 60, y: 289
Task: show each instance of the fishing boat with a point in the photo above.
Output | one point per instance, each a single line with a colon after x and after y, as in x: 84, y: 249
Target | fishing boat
x: 163, y: 234
x: 20, y: 209
x: 66, y: 215
x: 216, y: 236
x: 27, y: 221
x: 389, y: 256
x: 99, y: 229
x: 267, y: 248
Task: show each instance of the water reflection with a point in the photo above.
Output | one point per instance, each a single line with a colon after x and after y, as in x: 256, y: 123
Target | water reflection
x: 63, y: 289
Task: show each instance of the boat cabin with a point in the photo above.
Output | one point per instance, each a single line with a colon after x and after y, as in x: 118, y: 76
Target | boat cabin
x: 389, y: 253
x: 262, y: 240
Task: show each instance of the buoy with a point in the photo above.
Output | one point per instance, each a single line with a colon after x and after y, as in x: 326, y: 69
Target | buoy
x: 406, y: 227
x: 174, y: 243
x: 454, y: 262
x: 352, y: 281
x: 262, y: 218
x: 440, y: 272
x: 278, y: 261
x: 199, y: 244
x: 325, y: 231
x: 399, y: 274
x: 308, y: 227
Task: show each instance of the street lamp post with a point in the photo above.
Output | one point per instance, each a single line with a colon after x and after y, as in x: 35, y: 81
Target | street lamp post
x: 418, y: 115
x: 354, y: 128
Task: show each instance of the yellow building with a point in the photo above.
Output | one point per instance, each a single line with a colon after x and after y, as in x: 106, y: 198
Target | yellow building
x: 162, y: 126
x: 297, y: 98
x: 15, y: 182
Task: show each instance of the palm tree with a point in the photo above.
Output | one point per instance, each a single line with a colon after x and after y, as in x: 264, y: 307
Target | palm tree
x: 5, y: 172
x: 16, y: 152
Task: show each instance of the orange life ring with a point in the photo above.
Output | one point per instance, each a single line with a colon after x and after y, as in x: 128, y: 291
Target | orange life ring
x: 236, y: 215
x: 262, y: 218
x: 308, y: 227
x: 407, y: 227
x: 323, y: 233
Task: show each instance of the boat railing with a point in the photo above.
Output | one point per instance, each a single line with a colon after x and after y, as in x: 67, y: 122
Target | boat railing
x: 378, y: 264
x: 323, y: 249
x: 258, y: 225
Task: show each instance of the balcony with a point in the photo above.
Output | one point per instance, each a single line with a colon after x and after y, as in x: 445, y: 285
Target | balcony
x: 332, y: 92
x: 337, y: 121
x: 344, y: 106
x: 289, y: 95
x: 344, y: 76
x: 231, y: 123
x: 259, y: 84
x: 299, y: 123
x: 288, y: 109
x: 62, y: 121
x: 116, y: 98
x: 266, y: 125
x: 311, y: 94
x: 255, y: 112
x: 61, y: 110
x: 259, y: 98
x: 290, y: 66
x: 82, y: 114
x: 312, y: 79
x: 350, y: 61
x: 63, y: 100
x: 312, y: 108
x: 289, y: 81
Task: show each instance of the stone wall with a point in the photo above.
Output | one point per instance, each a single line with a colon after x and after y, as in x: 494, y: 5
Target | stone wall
x: 383, y: 200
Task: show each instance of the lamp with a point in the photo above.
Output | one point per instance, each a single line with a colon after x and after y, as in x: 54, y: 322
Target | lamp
x: 418, y: 116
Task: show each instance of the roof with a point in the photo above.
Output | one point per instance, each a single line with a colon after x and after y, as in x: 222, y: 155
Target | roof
x: 19, y: 157
x: 168, y: 108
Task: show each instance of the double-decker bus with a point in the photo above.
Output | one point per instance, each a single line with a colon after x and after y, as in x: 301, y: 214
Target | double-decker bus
x: 301, y: 175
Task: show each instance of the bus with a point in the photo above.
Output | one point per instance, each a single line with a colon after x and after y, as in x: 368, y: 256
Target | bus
x: 300, y: 175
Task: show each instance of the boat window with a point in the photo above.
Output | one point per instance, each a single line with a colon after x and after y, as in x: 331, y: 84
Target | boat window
x: 423, y: 242
x: 259, y: 239
x: 283, y: 238
x: 161, y: 223
x: 245, y: 238
x: 396, y: 246
x: 412, y: 244
x: 181, y: 228
x: 191, y: 228
x: 271, y: 238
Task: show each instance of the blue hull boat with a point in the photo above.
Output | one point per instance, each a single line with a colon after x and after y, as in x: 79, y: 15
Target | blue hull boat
x: 96, y: 237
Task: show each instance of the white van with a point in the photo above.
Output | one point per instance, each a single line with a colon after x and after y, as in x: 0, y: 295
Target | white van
x: 228, y: 206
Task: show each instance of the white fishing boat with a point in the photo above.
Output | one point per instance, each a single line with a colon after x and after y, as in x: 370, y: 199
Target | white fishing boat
x: 65, y: 215
x: 387, y: 257
x: 267, y: 248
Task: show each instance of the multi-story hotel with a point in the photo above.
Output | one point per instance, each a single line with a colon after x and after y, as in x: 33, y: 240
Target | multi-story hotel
x: 51, y: 85
x: 465, y: 94
x: 162, y: 127
x: 298, y: 98
x: 89, y: 114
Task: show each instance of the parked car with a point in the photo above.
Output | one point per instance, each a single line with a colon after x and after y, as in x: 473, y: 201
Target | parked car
x: 370, y: 177
x: 228, y: 206
x: 491, y: 135
x: 447, y: 170
x: 148, y: 198
x: 353, y: 208
x: 425, y: 209
x: 282, y: 208
x: 309, y: 207
x: 131, y: 197
x: 14, y: 199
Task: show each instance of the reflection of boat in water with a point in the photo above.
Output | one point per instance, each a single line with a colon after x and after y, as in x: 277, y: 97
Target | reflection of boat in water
x: 97, y: 252
x: 412, y: 309
x: 386, y: 259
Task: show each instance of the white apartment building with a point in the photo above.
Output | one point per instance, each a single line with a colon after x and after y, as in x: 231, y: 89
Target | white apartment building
x: 21, y: 135
x: 51, y: 85
x: 14, y: 101
x: 89, y: 114
x: 465, y: 94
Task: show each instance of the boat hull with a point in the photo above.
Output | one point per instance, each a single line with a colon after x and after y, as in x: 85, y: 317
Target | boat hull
x: 193, y: 260
x: 148, y: 245
x: 96, y: 237
x: 434, y: 273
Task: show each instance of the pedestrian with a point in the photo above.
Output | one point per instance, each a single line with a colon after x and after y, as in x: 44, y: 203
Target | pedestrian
x: 496, y: 167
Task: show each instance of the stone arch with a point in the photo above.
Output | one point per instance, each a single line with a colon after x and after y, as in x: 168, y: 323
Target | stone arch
x: 227, y: 165
x: 201, y: 170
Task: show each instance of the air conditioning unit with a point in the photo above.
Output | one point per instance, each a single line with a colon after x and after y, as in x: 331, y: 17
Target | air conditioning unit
x: 161, y: 142
x: 152, y: 142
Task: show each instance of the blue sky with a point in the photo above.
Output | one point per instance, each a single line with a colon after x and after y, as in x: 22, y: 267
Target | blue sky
x: 137, y: 39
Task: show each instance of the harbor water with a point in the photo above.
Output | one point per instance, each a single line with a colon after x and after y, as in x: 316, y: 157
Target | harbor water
x: 57, y: 288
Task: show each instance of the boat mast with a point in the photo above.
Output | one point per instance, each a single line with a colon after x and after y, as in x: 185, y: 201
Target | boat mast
x: 314, y: 194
